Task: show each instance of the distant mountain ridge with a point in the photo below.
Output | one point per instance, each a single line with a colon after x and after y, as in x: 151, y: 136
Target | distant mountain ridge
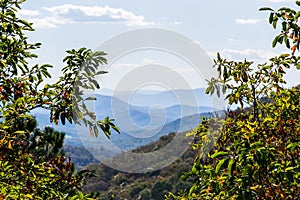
x: 128, y: 142
x: 140, y: 123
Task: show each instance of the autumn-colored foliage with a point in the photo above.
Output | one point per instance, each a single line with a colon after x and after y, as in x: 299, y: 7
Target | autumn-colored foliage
x: 252, y: 153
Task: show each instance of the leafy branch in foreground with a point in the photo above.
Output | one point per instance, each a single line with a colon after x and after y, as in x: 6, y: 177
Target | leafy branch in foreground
x: 32, y: 163
x: 254, y: 153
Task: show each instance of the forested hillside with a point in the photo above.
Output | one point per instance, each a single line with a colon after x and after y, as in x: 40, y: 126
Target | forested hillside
x: 152, y: 185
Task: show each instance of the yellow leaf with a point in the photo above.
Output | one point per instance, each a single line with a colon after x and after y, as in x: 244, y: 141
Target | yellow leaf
x: 3, y: 63
x: 9, y: 145
x: 29, y: 196
x: 208, y: 189
x: 255, y: 187
x: 246, y: 137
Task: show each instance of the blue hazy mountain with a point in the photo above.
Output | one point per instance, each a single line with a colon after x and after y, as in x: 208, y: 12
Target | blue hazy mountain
x: 131, y: 141
x: 142, y: 116
x: 129, y: 116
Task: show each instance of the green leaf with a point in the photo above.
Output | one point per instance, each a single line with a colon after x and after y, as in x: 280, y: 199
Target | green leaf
x: 275, y: 23
x: 218, y: 56
x: 284, y: 26
x: 208, y: 89
x: 217, y: 154
x: 3, y: 64
x: 280, y: 39
x: 115, y: 127
x: 297, y: 15
x: 289, y: 168
x: 275, y: 41
x: 271, y: 18
x: 292, y: 146
x: 101, y: 72
x: 184, y: 177
x: 286, y: 9
x: 266, y: 9
x: 20, y: 132
x: 63, y: 118
x: 298, y: 3
x: 74, y: 197
x: 90, y: 99
x: 230, y: 167
x: 287, y: 42
x: 220, y: 164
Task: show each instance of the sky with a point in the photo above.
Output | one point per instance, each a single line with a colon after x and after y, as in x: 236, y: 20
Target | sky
x: 235, y: 28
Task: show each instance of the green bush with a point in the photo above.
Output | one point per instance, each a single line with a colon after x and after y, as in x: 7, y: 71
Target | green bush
x: 159, y: 189
x: 252, y: 153
x: 145, y: 194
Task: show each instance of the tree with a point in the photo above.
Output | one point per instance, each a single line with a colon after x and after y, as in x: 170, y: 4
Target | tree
x: 255, y: 150
x: 32, y: 163
x: 159, y: 189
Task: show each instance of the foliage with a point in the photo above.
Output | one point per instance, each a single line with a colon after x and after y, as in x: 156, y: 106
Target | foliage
x: 145, y: 194
x: 32, y: 164
x: 159, y: 189
x: 255, y: 151
x: 122, y: 185
x: 38, y: 168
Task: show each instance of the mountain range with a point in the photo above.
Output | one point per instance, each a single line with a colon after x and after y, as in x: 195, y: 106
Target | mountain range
x: 142, y: 116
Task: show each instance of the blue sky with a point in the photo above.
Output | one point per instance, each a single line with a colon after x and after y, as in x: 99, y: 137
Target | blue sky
x: 233, y: 27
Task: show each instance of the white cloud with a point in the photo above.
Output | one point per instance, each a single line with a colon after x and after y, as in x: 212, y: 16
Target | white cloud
x: 96, y: 14
x: 247, y: 21
x: 49, y: 22
x: 52, y: 17
x: 31, y: 13
x: 249, y: 54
